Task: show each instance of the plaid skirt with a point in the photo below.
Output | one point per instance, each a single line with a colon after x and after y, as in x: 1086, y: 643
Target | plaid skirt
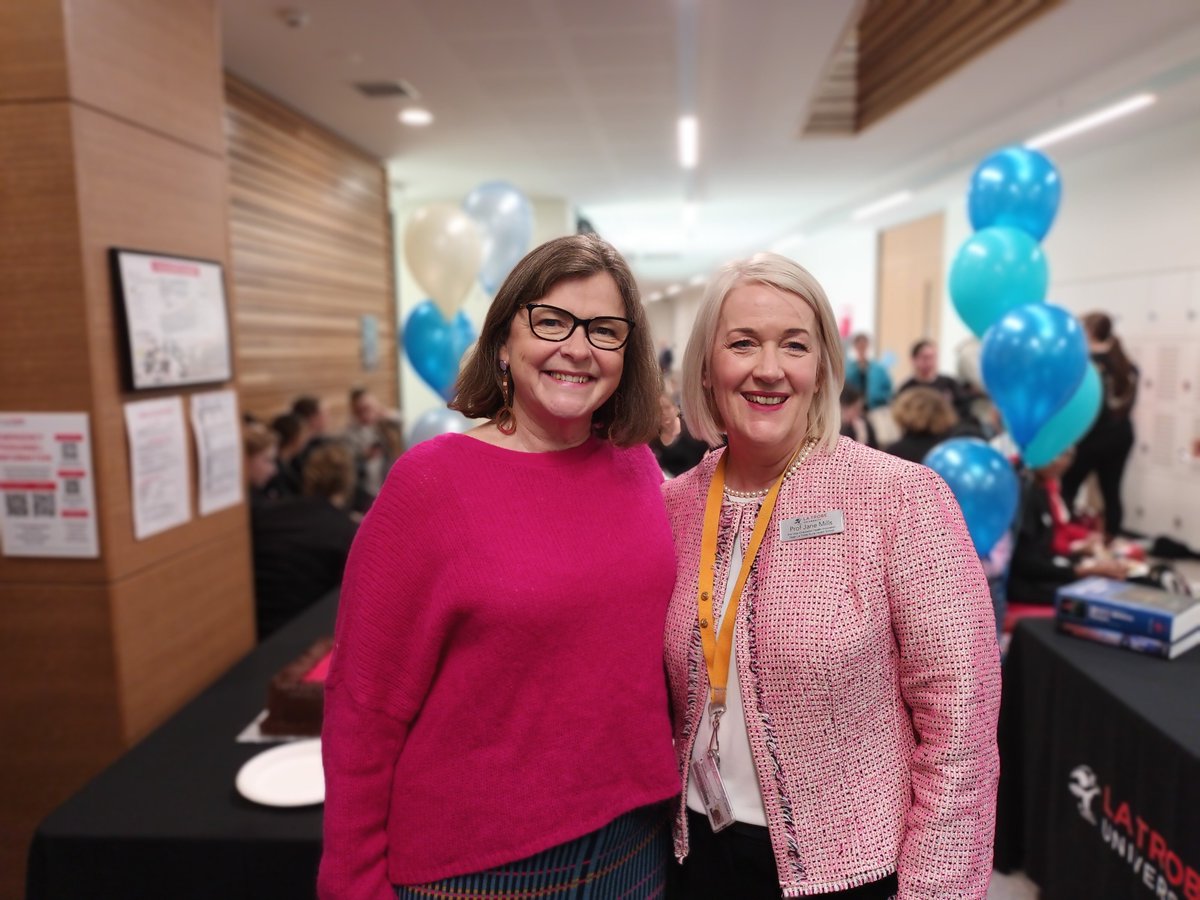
x: 625, y: 860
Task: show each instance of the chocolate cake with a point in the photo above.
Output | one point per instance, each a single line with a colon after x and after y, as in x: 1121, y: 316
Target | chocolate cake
x: 296, y: 694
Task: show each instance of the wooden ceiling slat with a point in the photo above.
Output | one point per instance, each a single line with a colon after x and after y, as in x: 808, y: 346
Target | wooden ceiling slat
x: 904, y: 47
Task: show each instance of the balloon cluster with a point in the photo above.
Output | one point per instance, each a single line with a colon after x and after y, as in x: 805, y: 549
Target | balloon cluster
x: 1034, y: 356
x: 447, y: 249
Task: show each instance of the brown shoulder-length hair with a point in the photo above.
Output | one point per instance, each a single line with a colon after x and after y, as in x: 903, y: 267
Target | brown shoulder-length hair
x: 924, y: 410
x: 631, y: 415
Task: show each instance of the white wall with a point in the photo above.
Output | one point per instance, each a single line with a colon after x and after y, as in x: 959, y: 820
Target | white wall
x: 1127, y: 242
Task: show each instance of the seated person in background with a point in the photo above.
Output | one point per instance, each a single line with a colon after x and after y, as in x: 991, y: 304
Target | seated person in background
x: 362, y: 434
x: 301, y: 543
x: 292, y: 437
x: 868, y: 376
x: 259, y: 443
x: 311, y: 411
x: 1051, y: 550
x: 925, y: 418
x: 675, y: 448
x: 925, y: 374
x: 855, y: 423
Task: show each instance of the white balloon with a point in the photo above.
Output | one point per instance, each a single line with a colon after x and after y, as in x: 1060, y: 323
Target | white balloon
x: 443, y: 247
x: 439, y: 420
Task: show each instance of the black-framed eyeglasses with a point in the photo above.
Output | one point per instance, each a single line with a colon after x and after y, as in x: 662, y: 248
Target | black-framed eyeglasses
x: 553, y: 324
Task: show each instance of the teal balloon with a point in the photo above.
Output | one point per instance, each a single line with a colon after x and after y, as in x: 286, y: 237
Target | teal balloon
x: 435, y: 346
x: 984, y: 484
x: 1017, y: 187
x: 1033, y: 360
x: 996, y: 269
x: 505, y: 216
x: 1069, y: 424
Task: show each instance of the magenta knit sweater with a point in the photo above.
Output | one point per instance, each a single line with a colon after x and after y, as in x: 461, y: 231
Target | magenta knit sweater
x: 497, y: 680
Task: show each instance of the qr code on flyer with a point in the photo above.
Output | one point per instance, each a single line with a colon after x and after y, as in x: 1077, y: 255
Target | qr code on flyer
x: 16, y: 505
x: 43, y: 504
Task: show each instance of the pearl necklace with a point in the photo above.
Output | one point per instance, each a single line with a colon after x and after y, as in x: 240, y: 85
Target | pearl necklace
x: 755, y: 495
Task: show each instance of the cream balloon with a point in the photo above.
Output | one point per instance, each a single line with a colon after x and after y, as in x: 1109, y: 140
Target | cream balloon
x: 443, y: 247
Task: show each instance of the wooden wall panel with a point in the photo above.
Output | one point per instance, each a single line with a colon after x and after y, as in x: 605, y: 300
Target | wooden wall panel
x: 33, y: 61
x: 152, y: 63
x: 45, y: 356
x: 178, y: 626
x: 124, y: 146
x: 59, y: 713
x: 138, y: 189
x: 311, y: 245
x: 910, y: 289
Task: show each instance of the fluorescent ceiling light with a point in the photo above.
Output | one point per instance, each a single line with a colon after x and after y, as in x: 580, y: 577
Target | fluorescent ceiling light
x: 416, y: 116
x: 1088, y: 122
x: 689, y: 142
x: 889, y: 202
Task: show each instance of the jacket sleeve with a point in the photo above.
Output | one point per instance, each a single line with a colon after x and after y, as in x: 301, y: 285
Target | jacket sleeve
x: 949, y: 670
x: 386, y: 644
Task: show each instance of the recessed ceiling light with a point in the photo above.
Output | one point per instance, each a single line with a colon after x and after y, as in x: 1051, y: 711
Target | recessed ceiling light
x: 654, y: 296
x: 697, y: 280
x: 417, y: 116
x: 674, y: 289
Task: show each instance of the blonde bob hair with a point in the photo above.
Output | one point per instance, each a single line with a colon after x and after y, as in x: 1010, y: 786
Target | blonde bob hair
x: 700, y: 408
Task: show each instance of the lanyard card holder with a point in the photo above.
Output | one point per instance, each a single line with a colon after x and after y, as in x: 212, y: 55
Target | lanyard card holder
x: 707, y: 772
x: 712, y: 792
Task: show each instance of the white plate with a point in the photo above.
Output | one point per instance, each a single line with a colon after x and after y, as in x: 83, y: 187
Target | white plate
x: 290, y: 775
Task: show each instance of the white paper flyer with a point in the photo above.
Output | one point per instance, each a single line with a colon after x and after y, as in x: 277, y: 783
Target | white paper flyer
x: 158, y: 465
x: 218, y: 449
x: 47, y: 485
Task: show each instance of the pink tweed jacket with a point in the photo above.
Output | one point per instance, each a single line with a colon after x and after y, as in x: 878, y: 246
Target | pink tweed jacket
x: 869, y: 673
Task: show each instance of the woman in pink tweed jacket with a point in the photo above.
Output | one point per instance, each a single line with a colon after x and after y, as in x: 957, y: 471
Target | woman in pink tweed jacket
x: 856, y: 742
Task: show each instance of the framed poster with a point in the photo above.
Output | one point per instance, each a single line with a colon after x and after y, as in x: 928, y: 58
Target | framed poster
x: 175, y: 319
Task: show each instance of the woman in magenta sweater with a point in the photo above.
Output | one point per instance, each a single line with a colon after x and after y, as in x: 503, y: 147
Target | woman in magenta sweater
x: 830, y: 642
x: 496, y: 717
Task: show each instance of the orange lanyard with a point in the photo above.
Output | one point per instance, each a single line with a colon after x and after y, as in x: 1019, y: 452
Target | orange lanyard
x: 718, y: 649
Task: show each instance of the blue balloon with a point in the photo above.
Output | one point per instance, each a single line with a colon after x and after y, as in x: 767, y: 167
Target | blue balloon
x: 434, y: 346
x: 1017, y: 187
x: 438, y: 420
x: 505, y: 217
x: 1033, y: 360
x: 996, y: 269
x: 984, y: 484
x: 1069, y: 424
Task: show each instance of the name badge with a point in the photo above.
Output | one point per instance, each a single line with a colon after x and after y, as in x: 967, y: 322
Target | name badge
x: 832, y: 522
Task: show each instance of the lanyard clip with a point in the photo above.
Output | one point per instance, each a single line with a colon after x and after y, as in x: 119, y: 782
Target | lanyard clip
x: 716, y: 710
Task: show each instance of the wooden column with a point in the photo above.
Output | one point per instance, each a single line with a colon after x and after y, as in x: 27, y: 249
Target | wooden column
x: 111, y: 134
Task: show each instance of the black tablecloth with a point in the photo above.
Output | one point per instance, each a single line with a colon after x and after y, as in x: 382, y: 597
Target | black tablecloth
x: 165, y: 819
x: 1100, y: 769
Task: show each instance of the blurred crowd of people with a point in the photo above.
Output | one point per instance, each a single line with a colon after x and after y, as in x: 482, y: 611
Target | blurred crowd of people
x: 1057, y: 536
x: 308, y: 488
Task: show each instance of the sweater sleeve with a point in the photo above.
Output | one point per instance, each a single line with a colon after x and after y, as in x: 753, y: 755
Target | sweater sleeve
x: 386, y: 645
x: 950, y: 681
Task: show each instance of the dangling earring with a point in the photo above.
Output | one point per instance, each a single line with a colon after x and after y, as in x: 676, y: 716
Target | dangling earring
x: 506, y: 421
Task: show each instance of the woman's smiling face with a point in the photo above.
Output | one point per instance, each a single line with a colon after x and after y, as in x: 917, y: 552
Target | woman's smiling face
x: 763, y: 368
x: 557, y: 386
